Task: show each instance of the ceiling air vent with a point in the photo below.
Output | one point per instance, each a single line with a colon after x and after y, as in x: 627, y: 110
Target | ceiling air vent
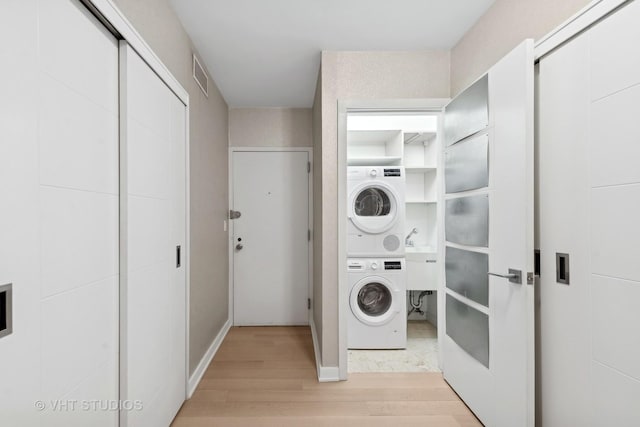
x: 200, y: 76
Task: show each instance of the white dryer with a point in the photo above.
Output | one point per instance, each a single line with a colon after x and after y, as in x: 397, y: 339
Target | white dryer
x: 377, y: 304
x: 376, y: 197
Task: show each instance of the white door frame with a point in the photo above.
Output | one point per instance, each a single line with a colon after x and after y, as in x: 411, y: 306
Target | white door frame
x: 307, y: 150
x: 579, y: 22
x: 434, y: 105
x: 115, y: 21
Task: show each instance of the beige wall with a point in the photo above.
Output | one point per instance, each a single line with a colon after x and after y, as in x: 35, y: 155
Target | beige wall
x: 160, y: 27
x: 270, y: 127
x: 500, y: 29
x: 359, y: 75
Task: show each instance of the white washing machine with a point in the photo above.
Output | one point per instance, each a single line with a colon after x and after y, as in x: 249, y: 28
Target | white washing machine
x: 377, y: 303
x: 376, y: 211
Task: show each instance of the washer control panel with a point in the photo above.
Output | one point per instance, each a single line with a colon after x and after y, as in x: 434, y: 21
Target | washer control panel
x: 364, y: 264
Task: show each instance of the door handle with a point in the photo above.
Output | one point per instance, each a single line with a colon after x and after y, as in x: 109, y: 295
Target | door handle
x: 514, y: 276
x: 239, y: 246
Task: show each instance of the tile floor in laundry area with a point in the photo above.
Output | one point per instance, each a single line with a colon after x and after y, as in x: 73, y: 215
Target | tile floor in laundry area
x: 421, y: 354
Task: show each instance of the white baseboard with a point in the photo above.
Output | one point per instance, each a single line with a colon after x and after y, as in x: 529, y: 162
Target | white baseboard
x: 325, y: 373
x: 206, y: 359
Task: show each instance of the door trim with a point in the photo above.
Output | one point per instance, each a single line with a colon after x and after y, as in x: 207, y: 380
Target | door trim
x: 309, y: 151
x: 431, y: 105
x: 113, y: 16
x: 576, y: 24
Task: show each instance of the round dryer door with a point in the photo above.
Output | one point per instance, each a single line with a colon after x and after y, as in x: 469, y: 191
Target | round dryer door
x: 374, y: 208
x: 371, y: 301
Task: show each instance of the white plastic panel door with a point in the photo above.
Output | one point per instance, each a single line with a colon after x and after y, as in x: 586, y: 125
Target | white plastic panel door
x: 153, y: 287
x: 270, y: 239
x: 488, y: 349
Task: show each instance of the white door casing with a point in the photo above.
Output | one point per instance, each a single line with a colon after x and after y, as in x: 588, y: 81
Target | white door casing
x: 153, y: 225
x: 502, y: 393
x: 270, y: 240
x: 432, y: 105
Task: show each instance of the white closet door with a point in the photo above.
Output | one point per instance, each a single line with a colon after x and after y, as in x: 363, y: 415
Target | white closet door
x: 589, y: 204
x: 488, y: 350
x: 59, y: 214
x: 153, y: 292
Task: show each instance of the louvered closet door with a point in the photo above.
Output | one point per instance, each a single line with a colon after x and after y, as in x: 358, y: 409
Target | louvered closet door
x: 153, y: 292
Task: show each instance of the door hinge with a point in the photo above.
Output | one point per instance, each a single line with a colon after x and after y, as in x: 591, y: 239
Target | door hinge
x: 234, y: 214
x: 308, y: 303
x: 530, y: 278
x: 178, y: 261
x: 308, y: 235
x: 308, y: 167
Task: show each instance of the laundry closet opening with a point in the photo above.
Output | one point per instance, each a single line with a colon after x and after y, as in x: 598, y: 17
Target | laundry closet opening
x: 392, y: 239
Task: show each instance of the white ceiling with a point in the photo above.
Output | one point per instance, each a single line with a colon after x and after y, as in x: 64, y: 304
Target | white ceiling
x: 266, y: 53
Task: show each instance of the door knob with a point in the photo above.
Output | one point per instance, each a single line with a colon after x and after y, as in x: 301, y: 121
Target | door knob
x: 514, y: 276
x: 239, y: 246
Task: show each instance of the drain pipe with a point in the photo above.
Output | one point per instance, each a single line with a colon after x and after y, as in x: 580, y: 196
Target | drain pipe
x: 416, y: 307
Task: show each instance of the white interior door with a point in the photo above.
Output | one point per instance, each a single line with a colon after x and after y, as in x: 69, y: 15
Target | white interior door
x: 270, y: 238
x: 488, y: 349
x: 153, y: 287
x: 59, y: 215
x: 588, y: 188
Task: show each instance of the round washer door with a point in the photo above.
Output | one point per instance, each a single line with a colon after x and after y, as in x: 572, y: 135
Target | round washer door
x: 371, y: 301
x: 373, y: 207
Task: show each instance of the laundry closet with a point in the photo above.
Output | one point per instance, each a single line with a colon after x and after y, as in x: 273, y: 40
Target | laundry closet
x: 393, y: 234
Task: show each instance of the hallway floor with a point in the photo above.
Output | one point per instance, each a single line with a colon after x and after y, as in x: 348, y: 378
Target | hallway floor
x: 266, y: 376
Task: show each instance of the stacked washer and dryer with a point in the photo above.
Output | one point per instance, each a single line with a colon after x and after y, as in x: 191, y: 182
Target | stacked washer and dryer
x: 376, y: 264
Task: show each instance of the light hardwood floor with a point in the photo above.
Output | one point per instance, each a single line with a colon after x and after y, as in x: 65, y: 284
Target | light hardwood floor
x: 266, y: 376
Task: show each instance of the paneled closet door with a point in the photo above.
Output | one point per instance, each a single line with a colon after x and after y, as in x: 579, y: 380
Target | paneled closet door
x: 58, y: 215
x: 153, y: 286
